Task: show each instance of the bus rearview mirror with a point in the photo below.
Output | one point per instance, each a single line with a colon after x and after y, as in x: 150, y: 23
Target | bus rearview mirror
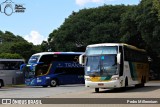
x: 82, y: 59
x: 119, y: 58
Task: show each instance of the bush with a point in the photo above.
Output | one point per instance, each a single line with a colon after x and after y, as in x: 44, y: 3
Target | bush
x: 10, y: 56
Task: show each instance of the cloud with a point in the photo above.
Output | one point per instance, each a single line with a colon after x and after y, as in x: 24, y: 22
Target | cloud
x: 35, y: 37
x: 83, y: 2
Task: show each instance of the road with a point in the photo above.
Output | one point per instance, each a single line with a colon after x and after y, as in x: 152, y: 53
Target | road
x: 151, y: 90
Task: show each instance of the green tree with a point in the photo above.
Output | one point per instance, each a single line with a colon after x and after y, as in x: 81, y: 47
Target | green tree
x: 24, y: 49
x: 10, y: 56
x: 11, y: 44
x: 88, y: 26
x: 128, y: 29
x: 156, y: 4
x: 149, y: 25
x: 45, y: 47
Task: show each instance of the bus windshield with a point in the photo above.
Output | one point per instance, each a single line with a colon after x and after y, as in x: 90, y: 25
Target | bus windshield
x: 102, y: 65
x: 33, y: 59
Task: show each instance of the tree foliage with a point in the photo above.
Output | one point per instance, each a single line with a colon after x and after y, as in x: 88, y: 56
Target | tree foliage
x: 149, y: 25
x: 10, y: 56
x: 16, y: 46
x: 138, y: 25
x: 156, y: 5
x: 86, y: 27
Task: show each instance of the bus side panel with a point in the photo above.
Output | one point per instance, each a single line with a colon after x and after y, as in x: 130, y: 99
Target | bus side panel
x: 142, y: 70
x: 6, y: 76
x: 129, y: 73
x: 70, y: 79
x: 67, y: 74
x: 135, y: 72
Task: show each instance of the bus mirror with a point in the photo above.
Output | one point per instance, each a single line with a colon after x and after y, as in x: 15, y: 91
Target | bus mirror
x: 82, y: 59
x: 119, y: 58
x: 22, y: 66
x: 149, y: 59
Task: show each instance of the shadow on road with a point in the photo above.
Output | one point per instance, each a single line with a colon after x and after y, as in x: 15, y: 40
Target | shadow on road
x: 73, y: 85
x: 130, y: 89
x: 70, y: 85
x: 8, y: 89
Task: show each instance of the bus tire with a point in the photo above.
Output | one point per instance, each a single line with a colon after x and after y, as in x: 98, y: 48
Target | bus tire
x: 142, y: 82
x: 125, y: 84
x: 53, y: 83
x: 138, y: 85
x: 97, y: 90
x: 1, y: 83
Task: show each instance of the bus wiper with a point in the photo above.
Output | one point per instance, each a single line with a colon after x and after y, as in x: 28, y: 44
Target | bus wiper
x: 93, y: 74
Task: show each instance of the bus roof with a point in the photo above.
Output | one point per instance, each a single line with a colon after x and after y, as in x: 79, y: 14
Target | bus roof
x: 68, y: 53
x: 117, y: 44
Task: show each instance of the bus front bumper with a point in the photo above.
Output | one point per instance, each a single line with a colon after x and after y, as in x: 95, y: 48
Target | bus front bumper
x: 107, y: 84
x: 37, y: 82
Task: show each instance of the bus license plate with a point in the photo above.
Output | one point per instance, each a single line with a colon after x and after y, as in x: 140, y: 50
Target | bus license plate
x: 100, y: 84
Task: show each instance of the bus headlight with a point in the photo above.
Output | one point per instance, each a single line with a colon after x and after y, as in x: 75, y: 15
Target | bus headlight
x: 115, y: 78
x: 87, y: 79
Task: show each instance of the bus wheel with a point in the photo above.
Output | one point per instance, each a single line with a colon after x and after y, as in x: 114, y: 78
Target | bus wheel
x: 96, y: 90
x: 142, y: 82
x: 1, y: 83
x: 53, y: 83
x: 125, y: 85
x: 126, y: 82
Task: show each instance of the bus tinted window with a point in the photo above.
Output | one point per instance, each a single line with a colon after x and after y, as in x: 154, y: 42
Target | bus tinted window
x: 134, y: 55
x: 10, y: 65
x: 43, y: 68
x: 67, y: 58
x: 70, y: 71
x: 47, y: 59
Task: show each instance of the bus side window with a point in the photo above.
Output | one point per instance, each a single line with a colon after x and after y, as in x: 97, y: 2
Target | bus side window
x: 46, y: 59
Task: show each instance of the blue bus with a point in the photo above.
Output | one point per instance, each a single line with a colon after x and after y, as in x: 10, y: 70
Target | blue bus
x: 53, y: 68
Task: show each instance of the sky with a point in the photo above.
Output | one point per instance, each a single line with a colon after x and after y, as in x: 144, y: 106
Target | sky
x: 41, y: 17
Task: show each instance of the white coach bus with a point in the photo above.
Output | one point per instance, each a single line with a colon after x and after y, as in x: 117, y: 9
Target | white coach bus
x: 114, y: 65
